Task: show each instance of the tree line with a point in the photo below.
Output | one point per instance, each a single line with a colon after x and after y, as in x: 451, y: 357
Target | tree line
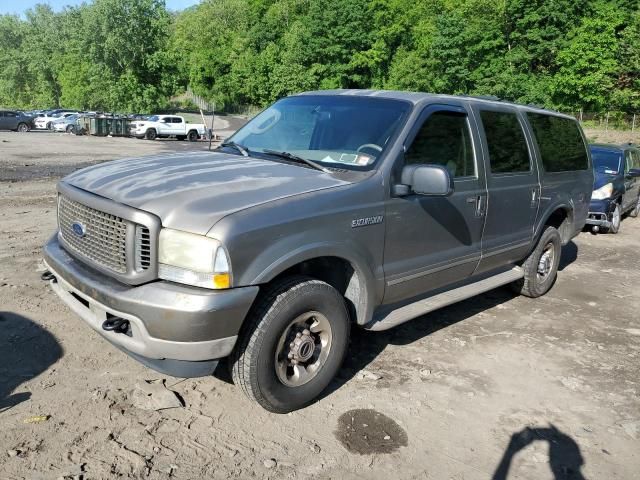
x: 135, y: 55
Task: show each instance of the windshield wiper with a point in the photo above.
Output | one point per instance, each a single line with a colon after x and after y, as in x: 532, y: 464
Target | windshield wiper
x: 296, y: 158
x: 243, y: 150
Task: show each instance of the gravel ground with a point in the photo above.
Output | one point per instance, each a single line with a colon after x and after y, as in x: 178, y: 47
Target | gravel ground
x: 498, y: 386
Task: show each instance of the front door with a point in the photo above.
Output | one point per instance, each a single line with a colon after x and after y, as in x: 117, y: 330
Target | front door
x: 435, y: 241
x: 631, y: 184
x: 513, y: 186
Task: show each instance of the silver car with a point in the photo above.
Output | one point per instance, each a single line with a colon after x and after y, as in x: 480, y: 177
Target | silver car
x: 66, y: 124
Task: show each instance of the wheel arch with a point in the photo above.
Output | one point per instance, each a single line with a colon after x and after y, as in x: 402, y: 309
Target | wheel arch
x: 561, y: 217
x: 344, y: 271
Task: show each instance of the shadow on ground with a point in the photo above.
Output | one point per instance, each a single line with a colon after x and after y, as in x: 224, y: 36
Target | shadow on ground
x: 26, y: 350
x: 565, y: 459
x: 366, y: 346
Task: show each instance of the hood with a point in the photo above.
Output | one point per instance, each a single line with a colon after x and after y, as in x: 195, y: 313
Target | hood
x: 191, y: 192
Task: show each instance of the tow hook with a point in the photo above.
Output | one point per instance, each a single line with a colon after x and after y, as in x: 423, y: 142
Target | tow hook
x: 48, y: 276
x: 116, y: 324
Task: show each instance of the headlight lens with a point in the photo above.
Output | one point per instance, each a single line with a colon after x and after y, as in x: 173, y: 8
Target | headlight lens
x: 606, y: 191
x: 193, y: 259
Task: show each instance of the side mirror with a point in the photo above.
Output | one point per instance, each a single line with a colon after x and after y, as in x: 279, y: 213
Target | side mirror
x: 431, y: 180
x: 634, y: 172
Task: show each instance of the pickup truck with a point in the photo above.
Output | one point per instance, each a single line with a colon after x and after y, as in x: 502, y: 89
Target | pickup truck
x: 328, y: 210
x: 164, y: 126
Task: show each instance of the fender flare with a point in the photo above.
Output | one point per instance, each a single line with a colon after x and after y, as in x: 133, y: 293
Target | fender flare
x: 368, y: 295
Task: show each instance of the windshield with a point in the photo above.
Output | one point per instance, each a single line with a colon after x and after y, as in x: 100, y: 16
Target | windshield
x: 606, y: 161
x: 338, y: 131
x: 153, y: 118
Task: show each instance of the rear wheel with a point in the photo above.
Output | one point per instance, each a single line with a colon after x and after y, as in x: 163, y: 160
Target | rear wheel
x: 151, y: 134
x: 71, y: 129
x: 615, y: 219
x: 541, y: 266
x: 192, y: 136
x: 292, y: 345
x: 23, y: 127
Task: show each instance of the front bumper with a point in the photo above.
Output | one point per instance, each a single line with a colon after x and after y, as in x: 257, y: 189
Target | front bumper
x: 600, y: 212
x: 174, y: 328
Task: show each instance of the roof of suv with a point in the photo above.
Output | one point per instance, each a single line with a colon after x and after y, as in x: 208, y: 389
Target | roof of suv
x: 616, y: 148
x: 418, y: 97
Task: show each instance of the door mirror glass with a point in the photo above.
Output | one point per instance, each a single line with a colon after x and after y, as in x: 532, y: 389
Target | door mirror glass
x: 431, y: 180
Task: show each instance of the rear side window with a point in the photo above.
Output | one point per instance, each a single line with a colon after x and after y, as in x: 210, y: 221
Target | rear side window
x: 561, y: 146
x: 444, y: 139
x: 508, y: 152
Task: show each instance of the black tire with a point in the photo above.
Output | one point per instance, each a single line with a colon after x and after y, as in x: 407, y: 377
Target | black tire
x: 615, y: 219
x: 534, y: 284
x: 71, y: 129
x: 636, y: 210
x: 253, y: 362
x: 151, y: 134
x: 23, y: 127
x: 50, y: 126
x: 193, y: 136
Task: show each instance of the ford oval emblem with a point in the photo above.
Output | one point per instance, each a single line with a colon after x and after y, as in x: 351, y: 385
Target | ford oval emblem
x: 79, y: 229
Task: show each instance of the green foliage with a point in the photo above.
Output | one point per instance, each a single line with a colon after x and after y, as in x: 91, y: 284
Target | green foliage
x: 132, y: 55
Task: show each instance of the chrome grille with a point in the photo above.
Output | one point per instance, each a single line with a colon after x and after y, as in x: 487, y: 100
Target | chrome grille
x: 143, y: 248
x: 105, y: 235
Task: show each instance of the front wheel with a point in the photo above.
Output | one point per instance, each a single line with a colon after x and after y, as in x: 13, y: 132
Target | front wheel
x: 71, y: 129
x: 541, y: 266
x: 23, y: 127
x: 616, y: 220
x: 151, y: 134
x: 292, y: 345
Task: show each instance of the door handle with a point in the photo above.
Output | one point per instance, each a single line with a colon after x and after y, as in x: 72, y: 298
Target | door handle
x: 478, y: 200
x: 534, y: 197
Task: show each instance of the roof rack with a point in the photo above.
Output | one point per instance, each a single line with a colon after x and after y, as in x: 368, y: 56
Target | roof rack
x: 492, y: 98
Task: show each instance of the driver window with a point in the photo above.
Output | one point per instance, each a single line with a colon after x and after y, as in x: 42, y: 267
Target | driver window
x: 444, y: 139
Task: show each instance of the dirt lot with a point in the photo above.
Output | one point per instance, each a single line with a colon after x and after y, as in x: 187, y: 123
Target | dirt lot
x: 495, y: 387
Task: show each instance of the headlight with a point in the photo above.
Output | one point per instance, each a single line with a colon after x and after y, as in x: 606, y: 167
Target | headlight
x: 193, y: 259
x: 606, y: 191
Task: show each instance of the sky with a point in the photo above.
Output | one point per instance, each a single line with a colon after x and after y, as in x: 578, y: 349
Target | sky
x: 18, y: 7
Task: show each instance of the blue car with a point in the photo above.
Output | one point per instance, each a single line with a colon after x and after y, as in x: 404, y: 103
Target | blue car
x: 616, y: 187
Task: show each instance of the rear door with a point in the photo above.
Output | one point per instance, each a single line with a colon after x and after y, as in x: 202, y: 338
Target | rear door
x: 10, y: 120
x: 512, y: 183
x: 3, y: 120
x: 435, y: 241
x: 178, y: 126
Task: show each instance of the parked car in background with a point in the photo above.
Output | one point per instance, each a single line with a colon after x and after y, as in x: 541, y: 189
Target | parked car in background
x: 328, y: 210
x: 17, y: 121
x: 46, y: 122
x: 164, y: 126
x: 66, y: 124
x: 616, y: 187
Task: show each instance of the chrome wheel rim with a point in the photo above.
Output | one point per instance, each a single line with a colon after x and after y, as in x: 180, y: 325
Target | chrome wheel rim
x: 303, y: 349
x: 545, y: 264
x: 615, y: 219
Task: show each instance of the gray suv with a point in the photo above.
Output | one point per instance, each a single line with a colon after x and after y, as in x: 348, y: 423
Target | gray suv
x: 329, y: 209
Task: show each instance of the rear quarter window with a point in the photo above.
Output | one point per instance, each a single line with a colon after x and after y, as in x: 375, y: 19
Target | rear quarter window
x: 561, y: 145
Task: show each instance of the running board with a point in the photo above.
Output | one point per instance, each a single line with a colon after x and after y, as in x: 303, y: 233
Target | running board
x: 403, y: 314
